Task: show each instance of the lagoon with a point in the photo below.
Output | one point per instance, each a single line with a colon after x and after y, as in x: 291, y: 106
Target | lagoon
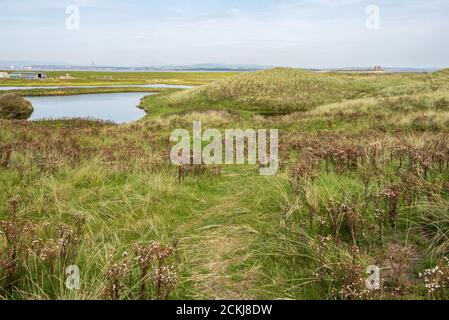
x: 116, y: 107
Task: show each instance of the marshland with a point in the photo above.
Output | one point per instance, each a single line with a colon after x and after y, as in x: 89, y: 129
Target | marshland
x: 363, y: 181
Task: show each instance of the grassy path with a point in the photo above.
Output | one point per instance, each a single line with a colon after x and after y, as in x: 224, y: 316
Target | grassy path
x: 219, y: 242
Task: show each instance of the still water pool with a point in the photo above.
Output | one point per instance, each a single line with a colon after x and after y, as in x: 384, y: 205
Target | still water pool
x: 115, y: 107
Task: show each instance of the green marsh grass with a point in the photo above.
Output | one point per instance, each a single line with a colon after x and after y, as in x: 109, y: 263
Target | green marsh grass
x: 363, y: 181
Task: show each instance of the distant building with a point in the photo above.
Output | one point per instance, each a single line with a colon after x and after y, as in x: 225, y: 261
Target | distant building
x: 28, y: 75
x: 4, y: 75
x: 66, y: 77
x: 378, y: 69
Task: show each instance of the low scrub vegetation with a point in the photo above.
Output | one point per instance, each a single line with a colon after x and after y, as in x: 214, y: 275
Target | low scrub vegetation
x: 363, y: 182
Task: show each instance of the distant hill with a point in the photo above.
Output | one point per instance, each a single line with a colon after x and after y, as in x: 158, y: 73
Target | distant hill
x: 180, y: 68
x: 17, y: 64
x: 213, y: 67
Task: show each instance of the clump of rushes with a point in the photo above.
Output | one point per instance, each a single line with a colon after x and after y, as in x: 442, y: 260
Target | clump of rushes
x: 345, y: 215
x: 302, y: 171
x: 397, y: 273
x: 163, y: 276
x: 164, y: 279
x: 144, y: 258
x: 391, y: 195
x: 335, y: 222
x: 352, y: 282
x: 150, y: 264
x: 116, y: 280
x: 436, y: 279
x: 18, y: 233
x: 353, y: 220
x: 5, y: 155
x: 23, y: 244
x: 350, y: 278
x: 69, y: 238
x: 47, y: 251
x: 379, y: 215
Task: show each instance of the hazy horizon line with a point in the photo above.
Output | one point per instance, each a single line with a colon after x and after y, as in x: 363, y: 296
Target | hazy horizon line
x: 12, y: 63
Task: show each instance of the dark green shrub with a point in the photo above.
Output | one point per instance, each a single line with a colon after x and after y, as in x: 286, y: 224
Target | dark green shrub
x: 14, y: 106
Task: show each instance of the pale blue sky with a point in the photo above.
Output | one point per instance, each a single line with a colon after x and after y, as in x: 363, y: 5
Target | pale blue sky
x: 302, y: 33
